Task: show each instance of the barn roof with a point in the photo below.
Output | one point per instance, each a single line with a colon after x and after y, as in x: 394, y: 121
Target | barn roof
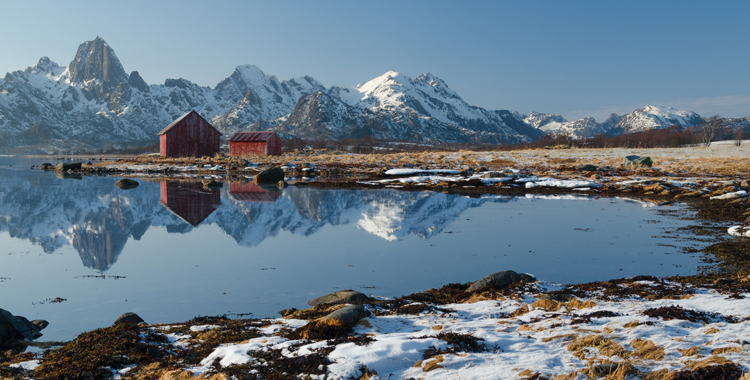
x: 251, y: 136
x: 179, y: 119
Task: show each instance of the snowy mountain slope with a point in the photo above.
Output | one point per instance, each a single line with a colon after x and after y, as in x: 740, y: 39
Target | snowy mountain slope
x: 649, y: 117
x: 93, y: 101
x: 259, y: 96
x: 652, y: 117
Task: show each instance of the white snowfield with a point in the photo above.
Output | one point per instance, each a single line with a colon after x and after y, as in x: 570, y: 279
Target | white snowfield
x: 539, y: 341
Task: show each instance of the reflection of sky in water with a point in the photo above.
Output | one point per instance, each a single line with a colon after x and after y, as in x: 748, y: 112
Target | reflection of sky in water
x: 261, y: 250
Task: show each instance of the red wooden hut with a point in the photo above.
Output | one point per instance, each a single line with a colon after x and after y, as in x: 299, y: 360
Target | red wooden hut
x: 254, y: 144
x: 189, y: 136
x: 189, y: 201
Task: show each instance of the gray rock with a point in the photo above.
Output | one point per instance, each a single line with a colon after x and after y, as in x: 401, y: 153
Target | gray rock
x: 494, y: 175
x: 126, y: 184
x: 47, y: 166
x: 272, y: 175
x: 344, y: 296
x: 41, y: 323
x: 733, y: 182
x: 349, y: 315
x: 636, y: 161
x: 587, y: 168
x: 14, y: 328
x: 129, y: 318
x: 64, y: 167
x: 500, y: 279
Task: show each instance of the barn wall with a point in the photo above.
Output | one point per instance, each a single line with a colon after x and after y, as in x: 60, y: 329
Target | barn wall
x: 192, y: 136
x: 241, y: 148
x: 273, y: 148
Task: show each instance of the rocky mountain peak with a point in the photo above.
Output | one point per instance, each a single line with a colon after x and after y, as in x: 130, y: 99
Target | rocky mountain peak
x: 95, y: 60
x: 136, y: 81
x: 45, y: 65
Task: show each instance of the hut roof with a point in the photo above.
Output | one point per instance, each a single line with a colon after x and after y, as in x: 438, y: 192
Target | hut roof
x: 251, y: 136
x: 179, y: 119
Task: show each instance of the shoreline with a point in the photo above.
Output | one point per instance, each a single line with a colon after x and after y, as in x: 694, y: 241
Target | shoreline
x: 615, y: 328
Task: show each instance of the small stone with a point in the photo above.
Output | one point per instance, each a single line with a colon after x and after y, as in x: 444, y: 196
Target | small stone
x: 126, y: 184
x: 344, y: 296
x: 128, y: 318
x: 500, y: 279
x: 41, y: 323
x: 282, y: 184
x: 494, y: 175
x: 46, y: 166
x: 587, y: 168
x: 636, y: 161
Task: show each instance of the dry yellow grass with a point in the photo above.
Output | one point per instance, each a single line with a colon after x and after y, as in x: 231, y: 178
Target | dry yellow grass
x: 576, y: 304
x: 725, y: 350
x: 605, y: 345
x: 648, y: 350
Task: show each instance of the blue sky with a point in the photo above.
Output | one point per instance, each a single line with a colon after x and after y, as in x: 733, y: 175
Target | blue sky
x: 583, y: 58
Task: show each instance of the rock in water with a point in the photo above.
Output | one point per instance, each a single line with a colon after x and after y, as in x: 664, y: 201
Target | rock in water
x: 126, y: 184
x: 47, y: 166
x: 63, y: 167
x: 500, y: 279
x: 282, y: 184
x: 636, y: 161
x: 14, y: 328
x: 129, y: 318
x: 344, y: 296
x: 41, y: 323
x: 272, y: 175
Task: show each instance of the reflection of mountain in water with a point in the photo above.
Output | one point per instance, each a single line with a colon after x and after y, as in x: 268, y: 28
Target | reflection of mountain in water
x: 97, y: 219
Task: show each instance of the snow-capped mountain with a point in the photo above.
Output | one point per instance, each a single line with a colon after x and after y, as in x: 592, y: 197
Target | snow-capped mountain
x: 93, y: 101
x: 642, y: 119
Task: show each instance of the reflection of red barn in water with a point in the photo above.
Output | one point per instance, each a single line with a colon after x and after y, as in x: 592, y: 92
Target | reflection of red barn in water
x: 250, y: 192
x: 189, y: 200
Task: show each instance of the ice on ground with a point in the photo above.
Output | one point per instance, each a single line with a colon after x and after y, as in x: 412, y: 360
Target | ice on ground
x: 559, y: 183
x: 733, y: 195
x: 420, y: 171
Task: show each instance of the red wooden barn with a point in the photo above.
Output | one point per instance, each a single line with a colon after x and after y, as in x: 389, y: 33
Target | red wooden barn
x: 254, y: 144
x: 189, y: 136
x: 189, y: 201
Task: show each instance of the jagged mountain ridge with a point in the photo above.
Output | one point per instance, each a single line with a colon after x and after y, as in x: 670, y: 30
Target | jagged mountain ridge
x: 93, y: 101
x: 642, y: 119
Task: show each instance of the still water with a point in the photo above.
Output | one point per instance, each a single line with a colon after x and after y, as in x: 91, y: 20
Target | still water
x: 80, y: 252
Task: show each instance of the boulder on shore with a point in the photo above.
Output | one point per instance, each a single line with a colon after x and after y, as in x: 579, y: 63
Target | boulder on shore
x: 14, y: 328
x: 47, y: 166
x: 64, y: 167
x: 343, y: 296
x: 126, y: 184
x: 349, y: 315
x: 272, y: 175
x: 636, y: 161
x: 500, y: 279
x: 132, y: 318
